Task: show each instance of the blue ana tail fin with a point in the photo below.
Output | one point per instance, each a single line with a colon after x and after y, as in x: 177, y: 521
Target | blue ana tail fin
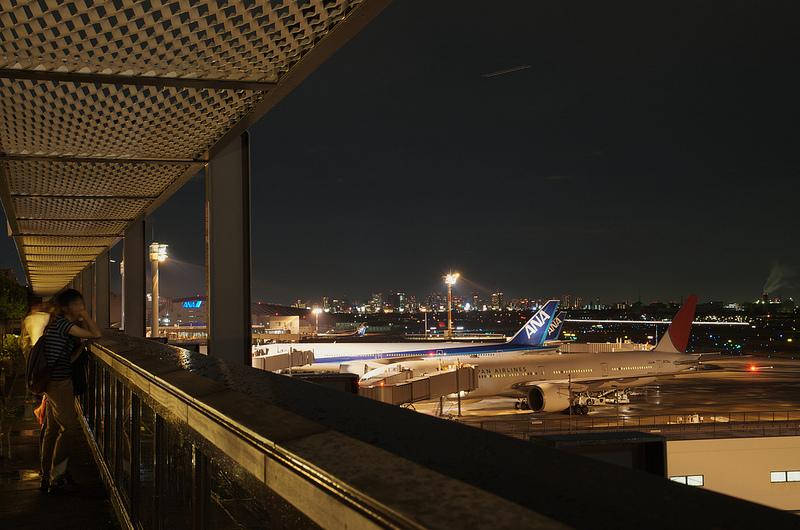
x: 534, y: 332
x: 555, y: 326
x: 361, y: 330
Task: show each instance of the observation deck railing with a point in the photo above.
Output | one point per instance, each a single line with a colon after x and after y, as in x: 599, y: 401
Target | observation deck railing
x: 671, y: 426
x: 184, y: 440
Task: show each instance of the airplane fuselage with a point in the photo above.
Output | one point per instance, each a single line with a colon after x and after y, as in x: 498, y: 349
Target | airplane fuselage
x: 512, y: 375
x: 337, y: 353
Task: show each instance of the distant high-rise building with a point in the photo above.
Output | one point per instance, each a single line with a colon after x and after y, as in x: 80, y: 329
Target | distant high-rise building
x: 377, y: 302
x: 497, y: 300
x: 402, y: 303
x: 394, y: 303
x: 566, y: 301
x: 411, y: 303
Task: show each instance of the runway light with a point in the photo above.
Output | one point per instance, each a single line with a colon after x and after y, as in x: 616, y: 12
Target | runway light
x: 753, y: 368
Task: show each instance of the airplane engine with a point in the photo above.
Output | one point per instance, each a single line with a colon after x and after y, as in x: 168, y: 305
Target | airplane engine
x: 547, y: 397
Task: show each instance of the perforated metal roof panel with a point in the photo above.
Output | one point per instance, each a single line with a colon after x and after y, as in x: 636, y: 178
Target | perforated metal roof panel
x: 106, y: 108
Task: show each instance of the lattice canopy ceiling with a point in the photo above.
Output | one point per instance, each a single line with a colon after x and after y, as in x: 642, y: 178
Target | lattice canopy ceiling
x: 106, y: 108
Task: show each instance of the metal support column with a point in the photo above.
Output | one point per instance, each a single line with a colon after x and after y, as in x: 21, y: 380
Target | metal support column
x: 87, y: 288
x: 228, y: 252
x: 102, y: 291
x: 134, y: 258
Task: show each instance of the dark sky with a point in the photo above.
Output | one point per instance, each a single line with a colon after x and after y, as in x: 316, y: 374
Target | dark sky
x: 650, y: 150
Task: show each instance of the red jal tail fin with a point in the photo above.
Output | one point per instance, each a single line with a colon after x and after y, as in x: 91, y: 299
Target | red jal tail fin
x: 676, y: 339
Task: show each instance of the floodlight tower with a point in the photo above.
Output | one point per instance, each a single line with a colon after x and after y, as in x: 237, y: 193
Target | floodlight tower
x: 316, y: 312
x: 158, y: 253
x: 450, y: 280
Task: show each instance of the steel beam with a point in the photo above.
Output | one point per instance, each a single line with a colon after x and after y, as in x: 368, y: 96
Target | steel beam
x: 136, y: 80
x: 102, y: 291
x: 228, y: 252
x: 133, y: 281
x: 87, y: 288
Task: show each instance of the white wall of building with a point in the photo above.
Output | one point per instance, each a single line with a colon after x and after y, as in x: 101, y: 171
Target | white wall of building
x: 293, y: 324
x: 741, y: 467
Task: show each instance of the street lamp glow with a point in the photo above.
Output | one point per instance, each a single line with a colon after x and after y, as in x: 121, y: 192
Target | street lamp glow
x: 316, y: 312
x: 158, y: 253
x: 450, y: 280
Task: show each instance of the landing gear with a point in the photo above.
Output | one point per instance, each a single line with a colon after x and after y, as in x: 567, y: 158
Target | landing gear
x: 577, y: 409
x: 521, y: 405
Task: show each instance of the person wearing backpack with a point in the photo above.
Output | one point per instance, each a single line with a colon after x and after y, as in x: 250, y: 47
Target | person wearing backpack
x: 61, y: 337
x: 32, y: 328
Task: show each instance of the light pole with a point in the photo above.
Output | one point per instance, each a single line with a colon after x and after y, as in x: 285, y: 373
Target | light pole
x: 317, y: 311
x: 158, y: 253
x: 450, y: 280
x: 425, y: 313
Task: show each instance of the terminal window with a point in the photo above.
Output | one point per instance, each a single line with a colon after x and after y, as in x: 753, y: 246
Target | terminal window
x: 689, y: 480
x: 784, y: 476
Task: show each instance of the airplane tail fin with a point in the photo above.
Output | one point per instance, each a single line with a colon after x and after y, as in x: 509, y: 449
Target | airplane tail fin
x: 362, y: 329
x: 676, y: 338
x: 535, y: 330
x: 554, y: 330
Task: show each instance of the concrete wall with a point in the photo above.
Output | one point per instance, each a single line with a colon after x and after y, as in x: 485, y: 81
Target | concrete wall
x: 740, y: 467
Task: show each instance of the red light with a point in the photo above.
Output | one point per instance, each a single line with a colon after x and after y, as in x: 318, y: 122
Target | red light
x: 753, y: 368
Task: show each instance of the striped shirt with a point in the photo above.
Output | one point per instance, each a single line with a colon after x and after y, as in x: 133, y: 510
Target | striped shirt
x: 58, y: 347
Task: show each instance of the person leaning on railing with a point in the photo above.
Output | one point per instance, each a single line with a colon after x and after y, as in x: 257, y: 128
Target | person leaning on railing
x: 63, y: 344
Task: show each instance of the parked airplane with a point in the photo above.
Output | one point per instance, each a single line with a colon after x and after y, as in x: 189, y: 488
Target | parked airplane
x: 547, y: 383
x: 362, y: 329
x: 554, y: 331
x: 361, y: 357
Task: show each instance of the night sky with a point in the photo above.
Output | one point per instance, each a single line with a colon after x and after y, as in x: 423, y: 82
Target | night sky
x: 648, y: 150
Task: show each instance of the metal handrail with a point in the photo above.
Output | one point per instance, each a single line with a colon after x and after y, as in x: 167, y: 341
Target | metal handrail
x: 672, y: 426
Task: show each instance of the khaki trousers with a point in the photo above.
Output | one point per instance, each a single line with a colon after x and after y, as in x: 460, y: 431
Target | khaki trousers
x: 62, y: 429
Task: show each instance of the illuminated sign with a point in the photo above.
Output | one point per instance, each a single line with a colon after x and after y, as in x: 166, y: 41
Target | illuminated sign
x: 192, y: 303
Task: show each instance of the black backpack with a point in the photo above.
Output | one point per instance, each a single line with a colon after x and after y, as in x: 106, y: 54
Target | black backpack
x: 37, y: 373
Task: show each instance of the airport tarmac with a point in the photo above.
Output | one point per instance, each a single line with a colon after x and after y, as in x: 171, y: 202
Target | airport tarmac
x: 725, y: 385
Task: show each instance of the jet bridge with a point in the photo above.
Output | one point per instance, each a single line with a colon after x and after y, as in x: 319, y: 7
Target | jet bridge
x: 398, y: 388
x: 283, y: 361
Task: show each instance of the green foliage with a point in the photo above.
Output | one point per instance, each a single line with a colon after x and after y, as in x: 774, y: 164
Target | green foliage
x: 11, y: 347
x: 13, y: 299
x: 10, y: 355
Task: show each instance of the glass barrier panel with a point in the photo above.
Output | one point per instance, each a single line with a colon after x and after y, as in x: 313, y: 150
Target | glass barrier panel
x: 124, y: 445
x: 147, y: 460
x: 110, y: 424
x: 177, y: 480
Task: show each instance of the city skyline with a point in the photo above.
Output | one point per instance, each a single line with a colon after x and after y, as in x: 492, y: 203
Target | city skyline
x: 621, y: 151
x: 437, y: 301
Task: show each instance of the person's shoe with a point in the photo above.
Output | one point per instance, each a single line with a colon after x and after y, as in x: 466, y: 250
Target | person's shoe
x: 45, y: 485
x: 65, y: 484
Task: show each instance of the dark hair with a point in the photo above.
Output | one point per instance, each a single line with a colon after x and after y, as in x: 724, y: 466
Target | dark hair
x: 34, y: 300
x: 66, y: 297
